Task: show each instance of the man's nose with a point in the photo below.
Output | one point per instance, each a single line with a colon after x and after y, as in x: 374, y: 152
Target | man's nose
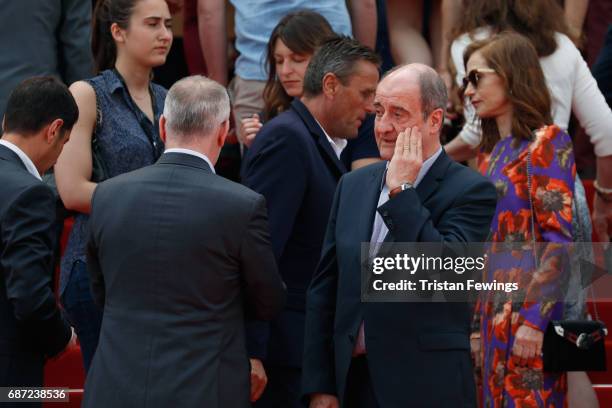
x: 382, y: 124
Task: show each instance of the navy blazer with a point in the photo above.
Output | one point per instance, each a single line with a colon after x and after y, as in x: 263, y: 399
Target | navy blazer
x: 32, y: 328
x: 418, y: 353
x: 294, y: 166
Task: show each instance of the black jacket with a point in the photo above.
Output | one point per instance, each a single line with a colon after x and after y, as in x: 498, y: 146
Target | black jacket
x: 32, y: 327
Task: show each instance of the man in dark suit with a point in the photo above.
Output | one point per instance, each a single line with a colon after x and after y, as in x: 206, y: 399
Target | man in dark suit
x: 294, y: 162
x: 39, y: 116
x: 395, y: 354
x: 178, y: 257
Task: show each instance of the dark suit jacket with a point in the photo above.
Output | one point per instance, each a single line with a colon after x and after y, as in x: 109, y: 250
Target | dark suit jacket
x: 418, y: 353
x: 177, y: 257
x: 31, y: 325
x: 48, y: 37
x: 294, y: 166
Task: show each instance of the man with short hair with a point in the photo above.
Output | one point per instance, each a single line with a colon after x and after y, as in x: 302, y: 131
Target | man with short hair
x: 39, y: 116
x: 294, y: 162
x: 395, y: 354
x: 178, y: 257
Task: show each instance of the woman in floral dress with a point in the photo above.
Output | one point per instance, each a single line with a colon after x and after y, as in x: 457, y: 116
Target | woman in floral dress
x: 530, y: 159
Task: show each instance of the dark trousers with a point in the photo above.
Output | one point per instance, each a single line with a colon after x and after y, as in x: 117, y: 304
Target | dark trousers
x: 82, y: 312
x: 283, y: 389
x: 21, y: 370
x: 359, y: 391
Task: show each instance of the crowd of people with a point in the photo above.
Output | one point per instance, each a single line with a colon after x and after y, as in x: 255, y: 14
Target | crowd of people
x: 355, y: 124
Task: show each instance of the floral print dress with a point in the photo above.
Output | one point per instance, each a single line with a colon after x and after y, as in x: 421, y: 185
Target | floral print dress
x: 505, y: 383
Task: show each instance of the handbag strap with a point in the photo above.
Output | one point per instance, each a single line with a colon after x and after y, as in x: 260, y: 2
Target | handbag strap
x: 532, y: 212
x: 583, y: 340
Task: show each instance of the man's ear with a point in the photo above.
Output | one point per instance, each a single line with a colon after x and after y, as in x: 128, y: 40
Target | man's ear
x: 53, y: 131
x: 436, y: 120
x: 222, y: 133
x: 162, y: 128
x: 330, y: 84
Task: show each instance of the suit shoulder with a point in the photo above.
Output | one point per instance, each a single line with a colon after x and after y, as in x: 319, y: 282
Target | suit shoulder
x: 286, y: 128
x: 469, y: 179
x: 357, y: 176
x: 27, y: 191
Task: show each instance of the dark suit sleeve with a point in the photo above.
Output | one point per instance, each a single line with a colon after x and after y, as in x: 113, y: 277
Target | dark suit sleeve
x: 265, y: 291
x: 468, y: 220
x: 27, y: 260
x: 96, y: 278
x: 74, y: 41
x: 277, y: 170
x: 318, y: 374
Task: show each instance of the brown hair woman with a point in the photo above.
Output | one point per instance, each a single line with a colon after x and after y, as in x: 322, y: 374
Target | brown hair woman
x: 532, y: 167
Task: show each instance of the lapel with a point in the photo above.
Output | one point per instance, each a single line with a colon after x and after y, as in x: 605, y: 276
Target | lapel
x: 316, y: 132
x: 429, y: 183
x: 436, y: 173
x: 370, y: 194
x: 10, y: 156
x: 183, y: 159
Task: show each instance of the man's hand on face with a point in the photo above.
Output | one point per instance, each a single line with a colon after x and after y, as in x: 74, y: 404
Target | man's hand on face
x: 407, y: 158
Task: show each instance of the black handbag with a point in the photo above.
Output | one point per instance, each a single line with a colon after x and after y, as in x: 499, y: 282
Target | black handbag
x: 575, y: 345
x: 570, y: 345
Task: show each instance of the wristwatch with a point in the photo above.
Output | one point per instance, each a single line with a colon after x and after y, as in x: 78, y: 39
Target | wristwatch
x: 399, y: 189
x: 604, y: 193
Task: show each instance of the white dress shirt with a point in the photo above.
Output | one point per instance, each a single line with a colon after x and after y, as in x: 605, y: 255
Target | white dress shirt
x: 193, y: 153
x: 27, y: 162
x: 338, y: 144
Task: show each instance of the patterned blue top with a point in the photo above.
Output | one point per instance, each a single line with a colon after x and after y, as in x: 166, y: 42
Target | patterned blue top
x: 124, y: 146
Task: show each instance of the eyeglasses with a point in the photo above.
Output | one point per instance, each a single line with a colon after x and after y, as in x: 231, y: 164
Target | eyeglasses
x: 474, y: 76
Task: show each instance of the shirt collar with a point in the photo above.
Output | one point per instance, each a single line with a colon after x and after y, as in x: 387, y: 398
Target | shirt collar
x: 338, y: 144
x: 426, y: 166
x: 193, y: 153
x: 27, y: 162
x: 113, y: 81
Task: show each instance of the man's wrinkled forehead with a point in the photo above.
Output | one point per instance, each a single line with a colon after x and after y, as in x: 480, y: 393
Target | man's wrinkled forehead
x: 397, y: 89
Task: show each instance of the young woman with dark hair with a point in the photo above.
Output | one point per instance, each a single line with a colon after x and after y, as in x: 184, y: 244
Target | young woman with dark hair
x: 532, y: 167
x: 119, y: 110
x: 292, y: 44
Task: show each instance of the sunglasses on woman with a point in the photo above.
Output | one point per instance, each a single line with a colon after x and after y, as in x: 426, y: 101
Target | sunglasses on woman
x: 474, y: 76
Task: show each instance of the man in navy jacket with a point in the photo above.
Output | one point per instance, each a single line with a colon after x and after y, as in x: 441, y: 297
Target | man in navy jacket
x: 395, y: 354
x: 294, y: 162
x: 39, y: 116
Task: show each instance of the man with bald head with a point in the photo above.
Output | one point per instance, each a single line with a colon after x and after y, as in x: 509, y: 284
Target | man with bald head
x: 178, y: 256
x: 395, y: 354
